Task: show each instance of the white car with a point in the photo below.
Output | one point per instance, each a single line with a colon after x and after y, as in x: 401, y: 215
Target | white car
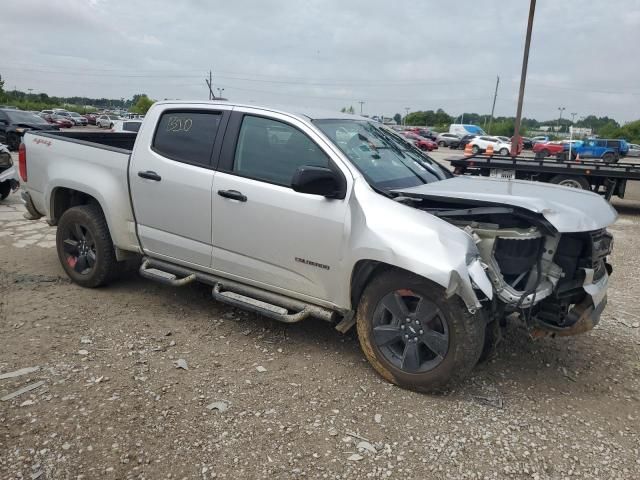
x: 480, y: 144
x: 107, y: 121
x: 634, y: 150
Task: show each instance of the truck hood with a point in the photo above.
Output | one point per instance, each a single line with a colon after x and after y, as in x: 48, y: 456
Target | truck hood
x: 567, y: 209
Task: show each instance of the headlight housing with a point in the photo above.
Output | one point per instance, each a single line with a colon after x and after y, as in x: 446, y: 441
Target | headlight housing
x: 5, y: 160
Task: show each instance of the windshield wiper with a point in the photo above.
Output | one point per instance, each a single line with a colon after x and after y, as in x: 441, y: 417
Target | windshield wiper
x: 385, y: 138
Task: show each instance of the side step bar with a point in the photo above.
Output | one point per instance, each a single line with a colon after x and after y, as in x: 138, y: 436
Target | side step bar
x: 164, y: 277
x: 270, y: 304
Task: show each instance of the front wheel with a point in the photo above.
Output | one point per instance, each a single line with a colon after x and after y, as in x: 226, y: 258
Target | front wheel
x: 475, y: 149
x: 414, y: 336
x: 609, y: 158
x: 85, y: 248
x: 504, y: 152
x: 5, y: 189
x: 441, y: 143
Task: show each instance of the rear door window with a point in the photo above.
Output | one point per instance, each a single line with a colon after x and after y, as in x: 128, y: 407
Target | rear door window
x: 187, y: 136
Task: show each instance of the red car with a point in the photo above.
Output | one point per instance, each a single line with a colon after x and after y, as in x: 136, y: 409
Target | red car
x: 547, y: 149
x: 91, y: 118
x: 59, y: 120
x: 420, y: 142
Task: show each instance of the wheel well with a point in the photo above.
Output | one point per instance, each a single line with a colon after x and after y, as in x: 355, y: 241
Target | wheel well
x: 363, y: 272
x: 64, y: 198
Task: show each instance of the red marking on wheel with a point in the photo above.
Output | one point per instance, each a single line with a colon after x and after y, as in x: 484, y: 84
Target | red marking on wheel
x: 72, y: 261
x: 406, y: 293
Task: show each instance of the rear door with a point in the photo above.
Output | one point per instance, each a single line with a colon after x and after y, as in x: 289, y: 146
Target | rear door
x: 171, y: 177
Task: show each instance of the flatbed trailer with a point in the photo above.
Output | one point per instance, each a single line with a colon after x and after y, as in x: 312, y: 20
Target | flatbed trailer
x: 607, y: 179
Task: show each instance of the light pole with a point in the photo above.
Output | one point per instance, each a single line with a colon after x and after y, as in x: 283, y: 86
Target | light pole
x: 515, y: 144
x: 220, y: 90
x: 361, y: 103
x: 406, y: 109
x: 560, y: 109
x: 573, y: 115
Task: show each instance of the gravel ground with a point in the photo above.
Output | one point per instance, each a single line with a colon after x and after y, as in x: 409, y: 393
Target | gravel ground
x: 139, y: 380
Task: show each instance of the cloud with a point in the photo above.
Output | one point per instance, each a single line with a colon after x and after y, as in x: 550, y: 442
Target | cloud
x: 331, y: 53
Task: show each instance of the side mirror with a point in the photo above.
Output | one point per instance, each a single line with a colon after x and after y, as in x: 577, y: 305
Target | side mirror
x: 318, y: 181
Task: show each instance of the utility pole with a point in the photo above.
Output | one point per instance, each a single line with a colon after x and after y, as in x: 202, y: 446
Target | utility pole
x: 560, y: 109
x: 209, y: 83
x: 493, y: 107
x: 405, y: 117
x: 515, y: 144
x: 220, y: 90
x: 361, y: 103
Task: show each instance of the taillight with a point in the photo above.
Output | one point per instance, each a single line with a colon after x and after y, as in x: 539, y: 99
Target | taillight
x: 22, y: 162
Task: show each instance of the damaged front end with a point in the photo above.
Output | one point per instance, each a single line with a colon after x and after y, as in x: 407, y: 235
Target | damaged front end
x: 556, y: 281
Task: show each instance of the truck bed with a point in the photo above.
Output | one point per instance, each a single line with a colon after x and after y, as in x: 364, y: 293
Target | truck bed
x: 120, y: 141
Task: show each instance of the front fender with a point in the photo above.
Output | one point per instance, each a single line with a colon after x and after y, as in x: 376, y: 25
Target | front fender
x: 396, y: 234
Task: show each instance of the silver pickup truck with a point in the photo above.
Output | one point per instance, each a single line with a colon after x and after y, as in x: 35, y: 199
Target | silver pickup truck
x: 331, y: 216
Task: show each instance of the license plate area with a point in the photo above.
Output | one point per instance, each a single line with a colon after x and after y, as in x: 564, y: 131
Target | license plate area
x: 502, y: 173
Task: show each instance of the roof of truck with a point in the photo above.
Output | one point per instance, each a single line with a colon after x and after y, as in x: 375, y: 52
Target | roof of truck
x: 308, y: 112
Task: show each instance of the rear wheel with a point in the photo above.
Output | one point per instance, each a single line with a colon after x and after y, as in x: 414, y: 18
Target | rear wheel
x: 573, y: 182
x: 504, y: 152
x: 442, y: 143
x: 413, y: 335
x: 609, y: 157
x: 85, y: 248
x: 5, y: 190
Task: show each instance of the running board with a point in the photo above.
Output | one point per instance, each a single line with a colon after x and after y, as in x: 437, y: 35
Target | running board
x: 266, y: 309
x: 164, y: 277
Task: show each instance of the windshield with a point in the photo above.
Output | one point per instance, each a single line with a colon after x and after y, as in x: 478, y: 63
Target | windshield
x: 16, y: 116
x: 113, y: 117
x: 385, y: 159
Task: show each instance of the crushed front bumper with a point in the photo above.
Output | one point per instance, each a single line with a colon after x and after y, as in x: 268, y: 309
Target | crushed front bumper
x: 583, y: 316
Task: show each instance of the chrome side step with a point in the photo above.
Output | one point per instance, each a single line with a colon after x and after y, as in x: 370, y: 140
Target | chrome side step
x: 270, y: 304
x: 164, y: 277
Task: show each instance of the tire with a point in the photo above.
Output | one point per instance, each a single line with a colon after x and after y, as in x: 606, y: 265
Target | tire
x: 111, y: 125
x: 475, y: 149
x: 84, y: 246
x: 545, y: 153
x: 381, y: 339
x: 571, y: 181
x: 5, y: 189
x: 13, y: 142
x: 609, y: 157
x: 441, y: 143
x: 504, y: 152
x: 492, y: 338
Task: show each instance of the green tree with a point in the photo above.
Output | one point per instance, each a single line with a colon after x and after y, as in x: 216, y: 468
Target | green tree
x: 351, y: 110
x: 142, y: 105
x: 397, y: 118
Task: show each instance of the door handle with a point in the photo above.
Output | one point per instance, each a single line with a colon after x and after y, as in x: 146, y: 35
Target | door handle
x: 233, y: 195
x: 149, y: 175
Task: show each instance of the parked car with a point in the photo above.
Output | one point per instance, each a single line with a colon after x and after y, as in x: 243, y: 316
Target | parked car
x: 420, y: 142
x: 527, y: 143
x: 106, y: 121
x: 59, y: 120
x: 540, y: 139
x: 634, y: 150
x: 547, y: 149
x: 91, y: 118
x: 480, y: 144
x: 460, y: 144
x: 425, y: 133
x: 446, y: 139
x: 14, y: 123
x: 8, y: 174
x: 378, y: 236
x: 78, y: 119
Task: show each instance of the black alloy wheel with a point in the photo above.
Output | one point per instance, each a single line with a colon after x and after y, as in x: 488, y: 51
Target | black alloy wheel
x: 79, y: 249
x: 410, y: 332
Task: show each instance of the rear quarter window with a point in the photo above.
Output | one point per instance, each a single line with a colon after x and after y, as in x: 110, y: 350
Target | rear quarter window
x: 187, y: 136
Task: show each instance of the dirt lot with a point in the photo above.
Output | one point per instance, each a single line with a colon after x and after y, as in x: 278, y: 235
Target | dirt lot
x: 300, y: 400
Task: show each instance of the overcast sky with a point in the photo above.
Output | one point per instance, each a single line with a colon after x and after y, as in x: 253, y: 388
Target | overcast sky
x: 332, y: 53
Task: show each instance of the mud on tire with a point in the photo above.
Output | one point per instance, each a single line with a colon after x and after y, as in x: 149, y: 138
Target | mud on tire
x: 376, y: 322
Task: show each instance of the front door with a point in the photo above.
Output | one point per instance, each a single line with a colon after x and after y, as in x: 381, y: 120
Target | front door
x: 264, y: 232
x: 171, y: 177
